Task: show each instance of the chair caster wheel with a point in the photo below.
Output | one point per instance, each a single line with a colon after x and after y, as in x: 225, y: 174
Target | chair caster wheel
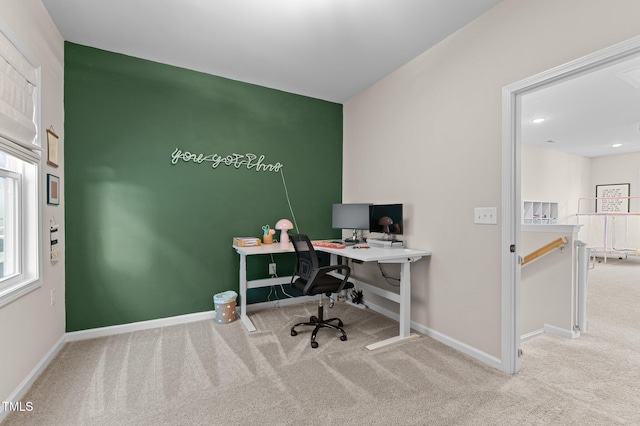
x: 343, y: 338
x: 293, y: 332
x: 314, y: 345
x: 313, y: 319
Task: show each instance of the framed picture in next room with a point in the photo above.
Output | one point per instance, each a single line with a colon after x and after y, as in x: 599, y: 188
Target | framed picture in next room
x: 53, y: 189
x: 612, y: 198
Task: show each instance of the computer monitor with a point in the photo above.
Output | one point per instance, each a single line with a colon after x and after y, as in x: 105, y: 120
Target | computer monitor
x: 386, y: 218
x: 350, y: 216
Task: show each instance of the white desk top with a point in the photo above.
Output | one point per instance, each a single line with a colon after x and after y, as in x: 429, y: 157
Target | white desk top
x: 371, y: 254
x: 265, y: 249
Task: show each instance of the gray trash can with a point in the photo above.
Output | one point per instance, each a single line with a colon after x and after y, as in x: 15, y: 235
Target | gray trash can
x: 225, y: 304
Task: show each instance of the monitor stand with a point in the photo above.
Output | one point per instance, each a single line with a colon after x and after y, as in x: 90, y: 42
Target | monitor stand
x: 352, y: 240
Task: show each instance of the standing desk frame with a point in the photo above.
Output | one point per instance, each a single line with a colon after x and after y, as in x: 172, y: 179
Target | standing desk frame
x: 401, y: 256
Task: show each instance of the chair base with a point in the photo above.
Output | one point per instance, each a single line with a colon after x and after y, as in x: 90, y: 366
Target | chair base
x: 318, y: 323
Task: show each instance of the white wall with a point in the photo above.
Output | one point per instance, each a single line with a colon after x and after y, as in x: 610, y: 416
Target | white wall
x: 30, y: 327
x: 429, y: 135
x: 548, y: 283
x: 623, y: 231
x: 623, y: 168
x: 555, y: 176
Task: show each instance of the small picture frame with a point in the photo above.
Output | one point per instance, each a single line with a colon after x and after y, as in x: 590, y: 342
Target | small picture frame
x: 53, y: 189
x: 52, y: 148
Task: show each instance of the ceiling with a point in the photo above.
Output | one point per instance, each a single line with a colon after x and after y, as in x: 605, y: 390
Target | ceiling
x: 586, y: 114
x: 325, y: 49
x: 334, y: 49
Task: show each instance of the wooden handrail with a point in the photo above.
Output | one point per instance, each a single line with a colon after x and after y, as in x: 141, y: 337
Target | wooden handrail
x: 544, y: 250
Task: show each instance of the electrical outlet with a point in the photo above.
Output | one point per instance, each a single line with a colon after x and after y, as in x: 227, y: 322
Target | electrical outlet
x: 53, y: 296
x: 272, y: 269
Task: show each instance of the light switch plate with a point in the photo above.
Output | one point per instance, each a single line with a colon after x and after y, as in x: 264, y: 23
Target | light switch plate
x: 486, y: 215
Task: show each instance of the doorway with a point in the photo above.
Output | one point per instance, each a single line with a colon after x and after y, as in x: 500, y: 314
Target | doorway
x: 511, y: 198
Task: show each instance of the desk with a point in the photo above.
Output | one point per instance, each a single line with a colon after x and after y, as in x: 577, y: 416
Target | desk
x: 401, y: 256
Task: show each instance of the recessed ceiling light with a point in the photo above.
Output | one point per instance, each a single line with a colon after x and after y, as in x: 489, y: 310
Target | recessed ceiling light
x: 538, y: 120
x: 616, y: 145
x: 632, y: 77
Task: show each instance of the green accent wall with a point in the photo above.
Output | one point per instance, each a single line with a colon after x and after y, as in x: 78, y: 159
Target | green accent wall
x: 148, y: 239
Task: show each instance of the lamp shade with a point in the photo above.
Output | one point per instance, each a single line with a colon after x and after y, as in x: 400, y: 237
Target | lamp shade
x: 283, y: 225
x: 385, y: 221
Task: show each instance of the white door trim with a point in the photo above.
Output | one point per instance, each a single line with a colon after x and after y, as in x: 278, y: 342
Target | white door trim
x: 511, y: 204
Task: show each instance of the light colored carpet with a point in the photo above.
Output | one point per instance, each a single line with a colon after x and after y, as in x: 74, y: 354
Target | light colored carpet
x: 205, y: 373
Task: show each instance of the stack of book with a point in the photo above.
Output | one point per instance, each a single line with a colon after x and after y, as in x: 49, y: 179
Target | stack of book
x: 246, y: 241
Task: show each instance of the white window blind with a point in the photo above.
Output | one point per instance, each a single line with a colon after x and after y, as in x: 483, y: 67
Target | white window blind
x: 20, y: 171
x: 17, y: 111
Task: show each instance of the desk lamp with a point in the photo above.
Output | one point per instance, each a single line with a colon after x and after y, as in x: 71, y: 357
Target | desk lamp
x: 283, y: 225
x: 385, y: 221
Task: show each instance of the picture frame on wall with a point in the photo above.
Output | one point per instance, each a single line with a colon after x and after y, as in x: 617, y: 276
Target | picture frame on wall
x: 613, y: 198
x: 53, y: 189
x: 52, y: 148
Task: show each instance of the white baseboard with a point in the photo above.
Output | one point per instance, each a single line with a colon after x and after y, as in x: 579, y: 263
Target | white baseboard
x: 180, y: 319
x: 562, y: 332
x: 356, y: 305
x: 140, y: 325
x: 443, y: 338
x: 531, y: 335
x: 551, y: 329
x: 475, y: 353
x: 28, y: 381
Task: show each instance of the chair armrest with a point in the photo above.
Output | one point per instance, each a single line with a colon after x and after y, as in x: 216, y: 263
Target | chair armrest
x: 324, y: 270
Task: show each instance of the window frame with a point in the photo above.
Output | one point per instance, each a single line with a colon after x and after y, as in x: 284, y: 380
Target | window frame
x: 30, y: 254
x: 16, y: 232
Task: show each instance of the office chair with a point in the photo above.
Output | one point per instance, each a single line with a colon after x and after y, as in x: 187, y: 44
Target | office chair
x: 313, y: 279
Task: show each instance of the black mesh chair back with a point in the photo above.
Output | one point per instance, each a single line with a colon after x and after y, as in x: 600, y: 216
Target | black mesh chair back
x: 315, y: 279
x: 307, y: 258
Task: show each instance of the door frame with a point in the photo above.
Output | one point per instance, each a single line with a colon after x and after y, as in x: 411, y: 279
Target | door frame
x: 511, y: 173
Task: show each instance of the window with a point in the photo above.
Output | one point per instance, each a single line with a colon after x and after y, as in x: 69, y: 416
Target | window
x: 20, y: 176
x: 10, y: 201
